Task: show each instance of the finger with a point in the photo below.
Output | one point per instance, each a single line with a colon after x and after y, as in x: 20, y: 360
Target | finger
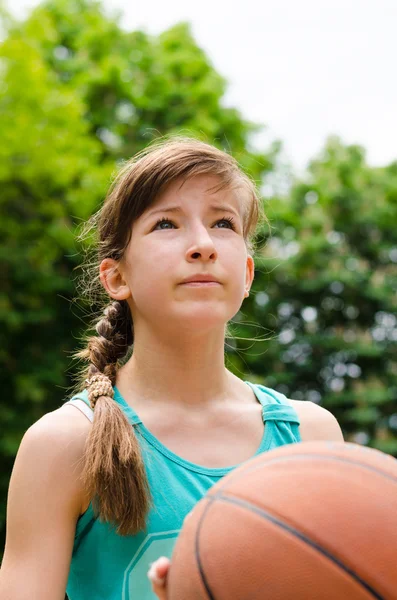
x: 158, y: 572
x: 160, y: 591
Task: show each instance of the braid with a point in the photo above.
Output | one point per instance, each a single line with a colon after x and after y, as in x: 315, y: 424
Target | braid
x: 114, y: 472
x: 115, y: 337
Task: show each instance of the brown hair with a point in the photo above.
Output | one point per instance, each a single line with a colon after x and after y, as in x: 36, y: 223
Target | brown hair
x: 114, y: 473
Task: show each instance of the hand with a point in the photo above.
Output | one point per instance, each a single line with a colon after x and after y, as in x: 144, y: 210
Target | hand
x: 158, y: 576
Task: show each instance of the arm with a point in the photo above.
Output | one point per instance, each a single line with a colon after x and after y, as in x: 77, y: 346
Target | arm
x: 44, y: 502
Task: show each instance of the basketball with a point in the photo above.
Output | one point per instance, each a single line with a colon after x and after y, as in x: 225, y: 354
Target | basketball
x: 308, y: 521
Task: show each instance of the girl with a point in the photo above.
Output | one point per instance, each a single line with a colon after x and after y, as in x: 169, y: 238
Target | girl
x: 101, y: 486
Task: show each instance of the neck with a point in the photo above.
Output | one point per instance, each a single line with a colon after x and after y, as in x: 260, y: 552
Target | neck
x: 187, y: 369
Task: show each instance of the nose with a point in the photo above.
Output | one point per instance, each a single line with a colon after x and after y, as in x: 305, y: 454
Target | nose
x: 202, y: 247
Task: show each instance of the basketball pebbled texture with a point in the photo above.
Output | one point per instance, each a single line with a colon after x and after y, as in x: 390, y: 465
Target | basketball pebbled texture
x: 308, y: 521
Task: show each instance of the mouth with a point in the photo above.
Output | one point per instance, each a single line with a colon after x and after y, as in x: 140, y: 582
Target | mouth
x: 205, y: 280
x: 201, y: 283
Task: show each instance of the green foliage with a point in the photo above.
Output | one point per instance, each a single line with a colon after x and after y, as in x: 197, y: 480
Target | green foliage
x: 326, y: 287
x: 77, y: 95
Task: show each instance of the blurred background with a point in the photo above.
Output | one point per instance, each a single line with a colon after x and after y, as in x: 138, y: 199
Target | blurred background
x: 302, y: 94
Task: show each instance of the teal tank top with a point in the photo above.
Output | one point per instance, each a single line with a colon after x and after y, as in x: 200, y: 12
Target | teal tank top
x: 106, y: 566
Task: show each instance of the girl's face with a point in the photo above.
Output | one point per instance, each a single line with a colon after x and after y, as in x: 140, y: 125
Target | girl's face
x: 189, y: 233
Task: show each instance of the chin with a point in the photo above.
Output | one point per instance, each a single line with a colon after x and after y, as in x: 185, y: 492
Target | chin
x: 205, y: 317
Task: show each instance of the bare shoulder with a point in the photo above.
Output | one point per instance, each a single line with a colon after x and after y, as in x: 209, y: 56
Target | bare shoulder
x: 66, y: 427
x: 316, y: 422
x: 52, y: 450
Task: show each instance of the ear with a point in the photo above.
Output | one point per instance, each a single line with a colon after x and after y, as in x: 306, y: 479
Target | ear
x: 113, y: 281
x: 249, y: 275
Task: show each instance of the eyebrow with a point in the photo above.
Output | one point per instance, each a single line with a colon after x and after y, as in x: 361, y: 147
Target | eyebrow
x: 178, y: 209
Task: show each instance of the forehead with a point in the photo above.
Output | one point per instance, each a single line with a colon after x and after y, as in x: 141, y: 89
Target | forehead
x: 202, y: 189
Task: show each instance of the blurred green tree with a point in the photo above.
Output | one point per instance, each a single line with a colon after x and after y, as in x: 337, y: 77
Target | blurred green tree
x: 326, y: 293
x: 77, y: 95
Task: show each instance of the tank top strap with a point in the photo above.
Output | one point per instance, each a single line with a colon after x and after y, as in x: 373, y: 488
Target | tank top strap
x: 83, y: 396
x: 81, y: 405
x: 275, y: 406
x: 131, y: 415
x: 81, y: 402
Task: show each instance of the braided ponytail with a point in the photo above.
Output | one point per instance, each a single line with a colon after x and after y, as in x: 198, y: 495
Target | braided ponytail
x: 114, y: 474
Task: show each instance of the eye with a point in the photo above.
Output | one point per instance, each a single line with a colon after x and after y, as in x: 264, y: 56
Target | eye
x: 164, y: 223
x: 230, y: 224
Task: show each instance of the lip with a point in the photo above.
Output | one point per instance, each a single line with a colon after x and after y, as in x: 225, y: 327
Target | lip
x: 202, y: 278
x: 201, y: 284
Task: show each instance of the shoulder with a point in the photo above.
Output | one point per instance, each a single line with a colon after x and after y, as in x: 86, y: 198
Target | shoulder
x: 316, y: 422
x: 66, y: 426
x: 51, y: 453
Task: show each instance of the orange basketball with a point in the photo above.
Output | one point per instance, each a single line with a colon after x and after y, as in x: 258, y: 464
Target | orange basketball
x: 309, y: 521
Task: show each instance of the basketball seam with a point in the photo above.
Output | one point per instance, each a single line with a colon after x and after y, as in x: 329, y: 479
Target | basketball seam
x: 264, y: 514
x: 197, y: 551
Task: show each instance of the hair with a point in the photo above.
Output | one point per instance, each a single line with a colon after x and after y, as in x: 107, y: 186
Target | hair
x: 113, y: 472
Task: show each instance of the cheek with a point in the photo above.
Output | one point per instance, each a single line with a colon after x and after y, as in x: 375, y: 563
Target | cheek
x: 150, y: 273
x: 239, y: 287
x: 149, y: 292
x: 236, y: 260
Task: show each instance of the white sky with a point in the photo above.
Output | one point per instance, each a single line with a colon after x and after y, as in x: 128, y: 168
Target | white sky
x: 305, y: 69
